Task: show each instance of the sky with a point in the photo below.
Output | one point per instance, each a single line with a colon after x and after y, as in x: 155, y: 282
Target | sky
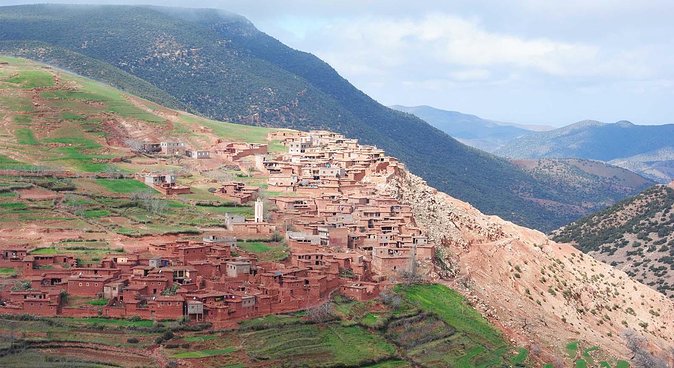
x: 552, y: 62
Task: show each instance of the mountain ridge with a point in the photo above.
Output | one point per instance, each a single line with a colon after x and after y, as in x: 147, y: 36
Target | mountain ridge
x: 220, y: 66
x: 487, y: 135
x: 618, y: 143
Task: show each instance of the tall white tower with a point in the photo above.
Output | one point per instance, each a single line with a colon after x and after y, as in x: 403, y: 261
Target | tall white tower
x: 259, y: 211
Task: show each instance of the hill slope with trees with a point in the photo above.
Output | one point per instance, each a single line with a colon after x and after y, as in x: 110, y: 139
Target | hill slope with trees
x: 646, y: 149
x: 635, y: 235
x: 219, y: 65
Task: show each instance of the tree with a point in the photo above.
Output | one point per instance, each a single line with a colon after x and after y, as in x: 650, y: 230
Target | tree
x: 149, y: 202
x: 642, y: 358
x: 390, y: 298
x: 135, y: 145
x: 322, y: 313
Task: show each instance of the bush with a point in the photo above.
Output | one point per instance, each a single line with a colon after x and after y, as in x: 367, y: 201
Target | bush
x: 132, y: 340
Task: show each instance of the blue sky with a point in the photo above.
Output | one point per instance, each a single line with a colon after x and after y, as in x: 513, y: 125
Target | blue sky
x: 529, y: 61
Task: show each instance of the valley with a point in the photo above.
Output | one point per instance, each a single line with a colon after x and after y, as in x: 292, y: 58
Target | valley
x: 80, y: 182
x: 218, y: 65
x: 179, y: 188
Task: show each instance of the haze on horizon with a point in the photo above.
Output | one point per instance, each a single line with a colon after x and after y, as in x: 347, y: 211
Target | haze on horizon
x: 531, y: 62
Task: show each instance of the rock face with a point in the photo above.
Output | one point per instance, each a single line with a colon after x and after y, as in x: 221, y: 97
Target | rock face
x: 537, y: 291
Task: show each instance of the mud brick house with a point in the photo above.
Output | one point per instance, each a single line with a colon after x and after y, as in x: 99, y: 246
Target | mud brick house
x: 360, y: 291
x: 14, y: 253
x: 33, y: 264
x: 296, y: 238
x: 198, y: 154
x: 238, y: 192
x: 235, y: 151
x: 172, y: 148
x: 33, y: 302
x: 151, y: 147
x: 388, y: 261
x: 164, y: 183
x: 87, y: 285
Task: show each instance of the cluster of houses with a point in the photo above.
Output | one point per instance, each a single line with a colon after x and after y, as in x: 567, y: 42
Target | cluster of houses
x: 330, y: 204
x: 209, y: 280
x: 230, y: 151
x: 344, y: 235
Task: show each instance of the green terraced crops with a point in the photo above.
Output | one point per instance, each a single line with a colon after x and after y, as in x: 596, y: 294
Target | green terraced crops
x: 49, y: 250
x: 7, y: 163
x: 25, y: 136
x: 311, y: 345
x: 95, y: 213
x: 124, y: 186
x: 111, y: 321
x: 474, y: 344
x: 203, y: 353
x: 200, y: 338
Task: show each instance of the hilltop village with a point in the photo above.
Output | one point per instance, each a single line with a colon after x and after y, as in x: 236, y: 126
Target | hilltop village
x: 343, y: 234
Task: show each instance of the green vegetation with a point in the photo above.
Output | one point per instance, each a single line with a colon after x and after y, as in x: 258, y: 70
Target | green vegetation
x: 32, y: 79
x: 98, y: 302
x: 112, y: 322
x: 25, y: 136
x: 521, y: 357
x: 124, y: 186
x: 572, y: 349
x: 454, y: 310
x: 7, y: 163
x: 95, y: 213
x: 474, y: 342
x: 265, y: 251
x: 312, y: 344
x: 199, y: 338
x: 203, y: 353
x: 7, y: 271
x: 43, y: 251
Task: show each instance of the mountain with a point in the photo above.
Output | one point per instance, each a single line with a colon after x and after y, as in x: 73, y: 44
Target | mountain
x: 635, y: 235
x: 593, y: 185
x: 647, y: 149
x: 547, y: 298
x: 218, y: 65
x: 487, y: 135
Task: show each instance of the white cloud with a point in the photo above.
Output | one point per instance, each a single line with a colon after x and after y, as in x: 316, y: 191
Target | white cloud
x: 370, y: 45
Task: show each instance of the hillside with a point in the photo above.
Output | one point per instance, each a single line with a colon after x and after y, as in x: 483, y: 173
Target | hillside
x: 54, y: 120
x: 67, y: 187
x: 594, y: 184
x: 542, y: 292
x: 472, y: 130
x: 635, y: 235
x: 219, y: 65
x: 646, y: 149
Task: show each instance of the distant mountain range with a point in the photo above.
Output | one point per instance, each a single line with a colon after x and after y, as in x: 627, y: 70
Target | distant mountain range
x: 218, y: 65
x: 487, y: 135
x: 645, y: 149
x: 635, y: 235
